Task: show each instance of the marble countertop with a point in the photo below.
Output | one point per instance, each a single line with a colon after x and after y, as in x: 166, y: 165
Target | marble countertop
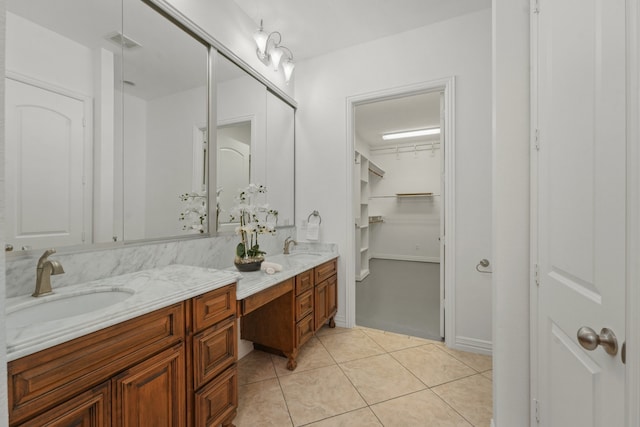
x: 292, y: 265
x: 150, y: 290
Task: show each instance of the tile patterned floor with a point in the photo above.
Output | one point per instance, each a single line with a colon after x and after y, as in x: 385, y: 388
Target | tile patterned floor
x: 364, y: 377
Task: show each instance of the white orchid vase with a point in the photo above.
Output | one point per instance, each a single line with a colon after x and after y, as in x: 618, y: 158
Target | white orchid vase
x: 254, y: 219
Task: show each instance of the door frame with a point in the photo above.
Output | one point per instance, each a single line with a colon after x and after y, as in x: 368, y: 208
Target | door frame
x: 632, y: 282
x: 447, y: 209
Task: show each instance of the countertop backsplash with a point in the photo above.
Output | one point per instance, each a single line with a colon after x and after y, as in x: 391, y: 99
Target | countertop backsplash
x: 80, y: 267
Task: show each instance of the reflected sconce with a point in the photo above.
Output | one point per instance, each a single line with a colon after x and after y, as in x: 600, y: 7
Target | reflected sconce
x: 272, y: 53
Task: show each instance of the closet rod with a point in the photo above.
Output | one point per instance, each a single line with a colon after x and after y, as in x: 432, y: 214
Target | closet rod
x: 408, y: 148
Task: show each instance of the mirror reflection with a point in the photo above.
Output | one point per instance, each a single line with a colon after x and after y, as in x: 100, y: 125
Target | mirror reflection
x: 104, y: 123
x: 165, y: 135
x: 255, y: 143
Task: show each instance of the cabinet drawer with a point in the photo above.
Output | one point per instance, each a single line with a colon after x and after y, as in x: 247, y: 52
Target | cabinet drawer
x: 218, y: 399
x: 47, y: 378
x: 214, y: 306
x: 304, y: 304
x: 304, y: 281
x: 304, y: 330
x: 214, y: 350
x: 326, y: 270
x: 92, y: 407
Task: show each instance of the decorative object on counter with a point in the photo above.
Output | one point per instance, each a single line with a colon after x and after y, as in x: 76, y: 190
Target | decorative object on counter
x: 313, y: 227
x: 270, y: 267
x: 254, y: 219
x: 195, y: 212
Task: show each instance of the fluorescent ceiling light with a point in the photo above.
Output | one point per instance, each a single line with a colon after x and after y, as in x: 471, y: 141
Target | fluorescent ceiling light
x: 411, y: 133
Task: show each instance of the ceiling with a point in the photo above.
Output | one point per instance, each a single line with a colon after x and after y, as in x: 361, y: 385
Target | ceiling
x: 413, y: 112
x: 311, y: 27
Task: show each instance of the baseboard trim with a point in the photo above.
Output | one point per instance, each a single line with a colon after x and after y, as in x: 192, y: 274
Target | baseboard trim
x: 406, y: 258
x: 493, y: 424
x: 473, y: 345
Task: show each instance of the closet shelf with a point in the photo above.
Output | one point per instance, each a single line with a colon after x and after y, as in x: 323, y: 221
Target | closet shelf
x: 416, y: 194
x: 375, y: 169
x: 375, y: 219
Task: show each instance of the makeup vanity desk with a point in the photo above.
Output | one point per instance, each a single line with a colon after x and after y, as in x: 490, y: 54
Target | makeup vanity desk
x: 280, y: 312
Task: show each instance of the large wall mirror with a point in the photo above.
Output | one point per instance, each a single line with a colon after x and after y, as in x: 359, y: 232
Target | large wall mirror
x: 107, y: 133
x: 255, y: 143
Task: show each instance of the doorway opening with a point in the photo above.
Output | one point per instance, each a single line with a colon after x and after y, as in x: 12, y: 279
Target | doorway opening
x: 402, y: 206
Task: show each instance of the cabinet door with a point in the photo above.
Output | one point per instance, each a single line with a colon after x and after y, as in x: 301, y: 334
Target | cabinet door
x: 89, y: 409
x: 320, y: 305
x: 217, y: 401
x: 332, y: 296
x: 152, y: 393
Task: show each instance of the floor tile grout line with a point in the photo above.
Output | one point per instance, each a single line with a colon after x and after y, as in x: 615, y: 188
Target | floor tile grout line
x: 284, y: 397
x: 463, y: 362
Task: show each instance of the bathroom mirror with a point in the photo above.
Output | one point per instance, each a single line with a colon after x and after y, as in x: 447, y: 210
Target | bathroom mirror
x: 255, y: 143
x: 103, y: 124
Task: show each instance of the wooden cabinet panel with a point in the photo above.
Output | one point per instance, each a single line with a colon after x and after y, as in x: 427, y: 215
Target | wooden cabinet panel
x: 152, y: 393
x: 214, y: 306
x: 304, y: 304
x: 90, y: 409
x: 304, y: 330
x: 262, y: 298
x: 218, y: 400
x: 42, y: 380
x: 320, y: 309
x: 304, y: 281
x: 326, y: 270
x: 332, y: 296
x: 213, y: 351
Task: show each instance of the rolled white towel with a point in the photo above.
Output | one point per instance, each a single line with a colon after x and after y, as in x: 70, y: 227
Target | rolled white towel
x: 270, y: 267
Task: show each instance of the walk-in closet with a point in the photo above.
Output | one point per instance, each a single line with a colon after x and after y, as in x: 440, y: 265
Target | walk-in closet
x: 397, y: 204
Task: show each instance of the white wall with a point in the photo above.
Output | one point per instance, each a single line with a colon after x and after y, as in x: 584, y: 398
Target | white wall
x: 511, y: 149
x: 134, y: 171
x: 41, y: 54
x: 460, y: 47
x: 411, y: 225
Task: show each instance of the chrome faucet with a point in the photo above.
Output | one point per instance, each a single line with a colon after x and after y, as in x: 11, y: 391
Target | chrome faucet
x: 46, y: 268
x: 287, y: 244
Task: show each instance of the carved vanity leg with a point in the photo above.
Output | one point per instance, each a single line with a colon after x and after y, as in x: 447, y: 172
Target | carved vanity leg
x: 292, y: 364
x: 332, y: 323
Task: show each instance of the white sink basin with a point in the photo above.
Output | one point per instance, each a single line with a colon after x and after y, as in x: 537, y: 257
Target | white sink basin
x: 303, y: 256
x: 61, y: 306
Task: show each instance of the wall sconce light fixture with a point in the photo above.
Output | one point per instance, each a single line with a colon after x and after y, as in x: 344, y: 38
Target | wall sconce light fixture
x: 271, y: 52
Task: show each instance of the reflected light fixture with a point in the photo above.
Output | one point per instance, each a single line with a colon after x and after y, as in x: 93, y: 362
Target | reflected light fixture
x: 411, y: 133
x: 271, y: 52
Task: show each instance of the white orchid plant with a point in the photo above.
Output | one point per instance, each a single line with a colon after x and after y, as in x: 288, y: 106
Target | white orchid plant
x: 254, y: 219
x: 194, y: 213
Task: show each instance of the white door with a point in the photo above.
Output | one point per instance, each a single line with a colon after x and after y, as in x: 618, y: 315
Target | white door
x: 44, y: 167
x: 581, y: 209
x: 234, y: 166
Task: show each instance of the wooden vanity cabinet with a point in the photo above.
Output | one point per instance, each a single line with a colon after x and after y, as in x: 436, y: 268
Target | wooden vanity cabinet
x: 140, y: 372
x: 283, y: 317
x: 213, y: 352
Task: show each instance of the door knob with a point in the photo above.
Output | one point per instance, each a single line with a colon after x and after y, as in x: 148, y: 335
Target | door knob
x: 588, y: 339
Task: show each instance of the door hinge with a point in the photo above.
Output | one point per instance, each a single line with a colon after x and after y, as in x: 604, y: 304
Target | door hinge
x: 536, y: 274
x: 537, y: 409
x: 536, y: 6
x: 536, y: 139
